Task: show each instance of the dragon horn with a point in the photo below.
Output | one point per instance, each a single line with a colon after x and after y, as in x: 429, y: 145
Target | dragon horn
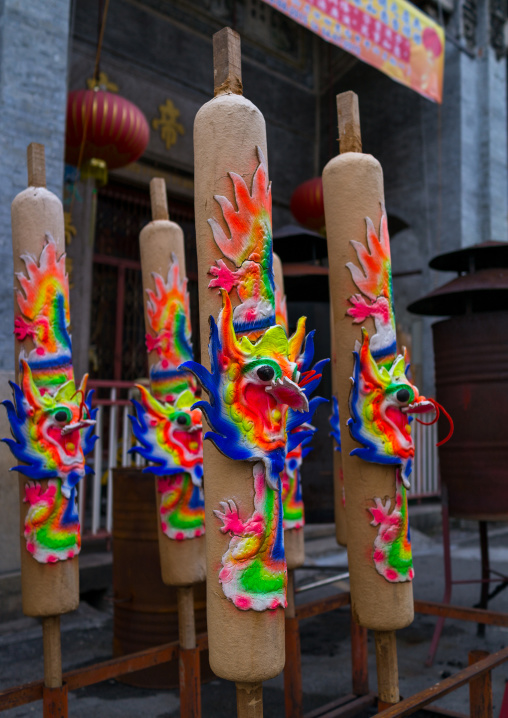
x: 296, y: 340
x: 226, y: 329
x: 30, y: 390
x: 82, y: 386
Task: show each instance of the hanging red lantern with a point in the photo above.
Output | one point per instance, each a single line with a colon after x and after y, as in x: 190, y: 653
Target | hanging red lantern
x: 307, y: 204
x: 109, y: 127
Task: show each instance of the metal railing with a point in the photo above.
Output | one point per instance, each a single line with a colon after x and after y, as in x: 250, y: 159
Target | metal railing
x: 425, y: 476
x: 113, y: 400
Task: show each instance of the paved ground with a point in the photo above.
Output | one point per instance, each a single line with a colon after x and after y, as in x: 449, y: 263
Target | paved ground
x: 87, y: 638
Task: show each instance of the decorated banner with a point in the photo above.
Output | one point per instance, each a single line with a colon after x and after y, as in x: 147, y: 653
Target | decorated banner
x: 391, y: 35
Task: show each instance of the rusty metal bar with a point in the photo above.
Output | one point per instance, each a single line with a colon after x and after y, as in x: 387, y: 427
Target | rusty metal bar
x: 445, y: 712
x: 190, y: 683
x: 480, y: 689
x: 20, y: 695
x: 429, y: 695
x: 359, y: 659
x: 293, y: 692
x: 345, y: 707
x: 321, y: 582
x: 82, y: 677
x: 314, y: 608
x: 98, y: 672
x: 54, y: 702
x: 477, y: 615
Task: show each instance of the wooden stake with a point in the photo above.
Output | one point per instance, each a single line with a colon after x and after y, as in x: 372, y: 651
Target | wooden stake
x: 159, y: 199
x: 350, y: 136
x: 249, y: 700
x: 387, y: 669
x: 36, y: 165
x: 227, y: 63
x: 52, y: 651
x: 186, y: 623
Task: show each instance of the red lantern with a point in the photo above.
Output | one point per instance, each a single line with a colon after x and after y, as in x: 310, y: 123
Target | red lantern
x: 307, y: 204
x: 115, y: 130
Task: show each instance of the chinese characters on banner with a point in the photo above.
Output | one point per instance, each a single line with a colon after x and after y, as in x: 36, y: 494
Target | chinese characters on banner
x: 391, y: 35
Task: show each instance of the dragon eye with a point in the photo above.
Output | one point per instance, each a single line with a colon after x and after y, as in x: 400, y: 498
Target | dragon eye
x: 183, y: 419
x: 403, y: 395
x: 61, y: 416
x: 265, y: 373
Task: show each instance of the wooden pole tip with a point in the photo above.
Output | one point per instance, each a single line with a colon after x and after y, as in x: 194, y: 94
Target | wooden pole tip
x: 159, y: 198
x: 227, y: 62
x: 36, y: 165
x: 249, y: 700
x: 350, y: 136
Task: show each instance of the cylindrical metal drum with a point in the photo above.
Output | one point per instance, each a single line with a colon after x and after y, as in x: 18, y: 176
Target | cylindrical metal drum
x: 145, y: 610
x: 471, y: 355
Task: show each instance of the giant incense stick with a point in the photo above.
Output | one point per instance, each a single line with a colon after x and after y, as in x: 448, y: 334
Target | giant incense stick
x: 169, y: 431
x: 375, y: 404
x: 51, y: 419
x: 251, y: 386
x: 339, y: 492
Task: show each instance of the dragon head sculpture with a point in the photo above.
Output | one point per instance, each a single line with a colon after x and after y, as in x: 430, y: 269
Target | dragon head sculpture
x: 251, y: 387
x: 47, y: 430
x: 169, y: 435
x: 381, y: 402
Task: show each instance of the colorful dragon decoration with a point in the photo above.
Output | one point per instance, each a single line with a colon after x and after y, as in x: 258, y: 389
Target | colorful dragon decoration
x: 168, y: 312
x: 51, y: 421
x: 252, y: 387
x: 167, y: 428
x: 382, y: 398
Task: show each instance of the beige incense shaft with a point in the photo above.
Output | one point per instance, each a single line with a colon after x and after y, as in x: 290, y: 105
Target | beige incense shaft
x: 338, y: 474
x: 245, y: 646
x: 182, y: 562
x: 353, y: 190
x: 293, y: 538
x: 47, y: 589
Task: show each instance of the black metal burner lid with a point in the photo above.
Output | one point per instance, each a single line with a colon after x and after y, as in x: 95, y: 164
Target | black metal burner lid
x: 483, y: 291
x: 471, y: 259
x: 297, y: 244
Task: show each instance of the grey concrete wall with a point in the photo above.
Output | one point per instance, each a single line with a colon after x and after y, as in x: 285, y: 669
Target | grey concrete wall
x: 33, y: 92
